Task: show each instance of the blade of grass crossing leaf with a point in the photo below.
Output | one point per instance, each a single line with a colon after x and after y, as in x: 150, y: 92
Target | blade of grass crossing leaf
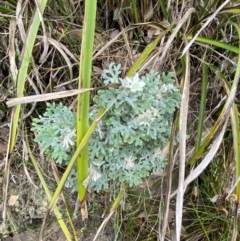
x: 22, y: 75
x: 47, y: 191
x: 75, y: 157
x: 207, y: 140
x: 203, y: 103
x: 84, y: 82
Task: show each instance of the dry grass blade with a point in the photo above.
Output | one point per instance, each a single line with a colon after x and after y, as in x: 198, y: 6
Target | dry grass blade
x: 63, y: 50
x: 235, y: 223
x: 223, y: 122
x: 145, y: 54
x: 107, y: 45
x: 12, y: 53
x: 105, y: 221
x: 56, y: 175
x: 174, y: 33
x: 45, y: 38
x: 6, y: 182
x: 59, y: 217
x: 19, y: 19
x: 113, y: 40
x: 26, y: 56
x: 162, y: 231
x: 205, y: 162
x: 182, y: 147
x: 130, y: 56
x: 45, y: 97
x: 204, y: 26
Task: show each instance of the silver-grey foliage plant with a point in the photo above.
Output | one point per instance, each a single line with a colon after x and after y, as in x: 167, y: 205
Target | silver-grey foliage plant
x: 127, y: 143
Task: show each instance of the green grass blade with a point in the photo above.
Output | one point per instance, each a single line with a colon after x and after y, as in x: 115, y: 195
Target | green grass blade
x: 235, y: 122
x: 83, y: 100
x: 68, y: 213
x: 47, y: 191
x: 75, y: 157
x: 221, y: 118
x: 234, y: 10
x: 6, y: 10
x: 135, y: 11
x: 164, y: 9
x: 118, y: 199
x: 200, y: 220
x: 236, y: 144
x: 22, y: 75
x: 203, y: 103
x: 215, y: 43
x: 147, y: 51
